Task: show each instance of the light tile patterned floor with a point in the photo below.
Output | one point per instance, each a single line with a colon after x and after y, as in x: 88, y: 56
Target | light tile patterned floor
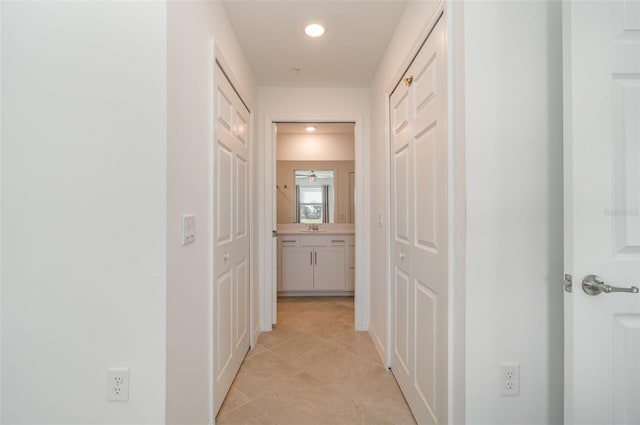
x: 313, y: 368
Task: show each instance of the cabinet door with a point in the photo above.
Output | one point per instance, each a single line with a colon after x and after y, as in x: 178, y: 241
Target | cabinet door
x: 351, y: 250
x: 297, y: 268
x: 330, y: 268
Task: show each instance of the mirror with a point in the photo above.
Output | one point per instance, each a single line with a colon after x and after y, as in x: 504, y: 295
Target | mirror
x: 315, y: 196
x: 315, y: 175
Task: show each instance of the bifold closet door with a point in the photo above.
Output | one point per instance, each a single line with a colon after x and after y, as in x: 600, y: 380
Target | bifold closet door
x: 420, y: 231
x: 230, y: 235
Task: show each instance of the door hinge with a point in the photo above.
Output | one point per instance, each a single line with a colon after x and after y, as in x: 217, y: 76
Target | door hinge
x: 568, y: 283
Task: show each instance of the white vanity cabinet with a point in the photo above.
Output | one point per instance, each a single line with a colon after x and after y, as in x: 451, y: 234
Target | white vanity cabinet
x: 314, y: 263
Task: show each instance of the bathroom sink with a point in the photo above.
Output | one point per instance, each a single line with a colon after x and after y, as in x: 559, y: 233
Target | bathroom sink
x: 313, y: 231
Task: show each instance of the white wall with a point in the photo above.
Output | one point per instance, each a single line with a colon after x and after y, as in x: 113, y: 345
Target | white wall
x: 315, y: 147
x: 514, y: 209
x: 0, y: 211
x: 83, y: 210
x: 406, y: 38
x: 191, y: 27
x: 512, y: 79
x: 308, y: 105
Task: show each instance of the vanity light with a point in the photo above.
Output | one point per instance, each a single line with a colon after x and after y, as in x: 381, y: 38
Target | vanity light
x: 314, y: 30
x: 310, y: 129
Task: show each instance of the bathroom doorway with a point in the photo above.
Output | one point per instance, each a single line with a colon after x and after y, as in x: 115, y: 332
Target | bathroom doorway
x: 315, y: 167
x: 342, y: 214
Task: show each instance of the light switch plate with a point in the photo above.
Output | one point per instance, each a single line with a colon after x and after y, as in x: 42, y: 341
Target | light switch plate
x: 188, y: 229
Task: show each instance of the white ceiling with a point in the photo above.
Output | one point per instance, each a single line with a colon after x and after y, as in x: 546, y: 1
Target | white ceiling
x: 321, y: 128
x: 272, y: 37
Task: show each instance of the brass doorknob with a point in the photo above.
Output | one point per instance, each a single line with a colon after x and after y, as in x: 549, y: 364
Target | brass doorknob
x: 408, y: 81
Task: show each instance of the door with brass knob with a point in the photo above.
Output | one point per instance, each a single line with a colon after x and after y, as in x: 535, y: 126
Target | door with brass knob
x: 419, y: 221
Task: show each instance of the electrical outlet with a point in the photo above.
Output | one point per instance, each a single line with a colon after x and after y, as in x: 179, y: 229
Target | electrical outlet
x: 118, y: 384
x: 509, y: 379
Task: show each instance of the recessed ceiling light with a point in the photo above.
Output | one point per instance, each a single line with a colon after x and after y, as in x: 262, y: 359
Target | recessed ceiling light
x: 314, y: 30
x: 310, y: 129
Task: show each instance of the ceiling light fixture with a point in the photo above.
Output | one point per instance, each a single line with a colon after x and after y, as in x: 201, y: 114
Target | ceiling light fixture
x: 314, y: 30
x: 310, y: 129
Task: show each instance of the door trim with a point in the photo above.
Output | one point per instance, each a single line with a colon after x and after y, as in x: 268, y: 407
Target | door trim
x: 453, y: 14
x: 268, y: 291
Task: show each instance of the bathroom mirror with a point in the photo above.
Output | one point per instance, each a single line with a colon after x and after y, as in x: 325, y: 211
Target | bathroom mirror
x: 314, y: 200
x: 315, y: 173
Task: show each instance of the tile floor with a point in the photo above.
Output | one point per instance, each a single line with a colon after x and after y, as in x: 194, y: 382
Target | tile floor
x: 313, y: 368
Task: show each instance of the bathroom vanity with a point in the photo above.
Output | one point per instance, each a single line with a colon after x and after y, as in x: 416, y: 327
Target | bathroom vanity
x: 318, y: 262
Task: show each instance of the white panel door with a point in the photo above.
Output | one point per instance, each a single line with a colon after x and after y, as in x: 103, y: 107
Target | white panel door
x: 602, y: 209
x: 420, y: 231
x: 230, y: 236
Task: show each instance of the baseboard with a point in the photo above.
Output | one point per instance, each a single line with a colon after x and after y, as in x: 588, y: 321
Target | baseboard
x: 379, y: 345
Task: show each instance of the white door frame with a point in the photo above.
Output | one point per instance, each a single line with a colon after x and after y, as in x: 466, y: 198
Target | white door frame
x: 453, y: 15
x: 268, y: 293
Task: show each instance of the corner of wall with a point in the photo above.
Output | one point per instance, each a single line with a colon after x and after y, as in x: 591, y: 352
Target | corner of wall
x: 455, y: 50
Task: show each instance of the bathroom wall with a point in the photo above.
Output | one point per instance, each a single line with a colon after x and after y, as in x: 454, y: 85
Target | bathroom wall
x: 286, y: 194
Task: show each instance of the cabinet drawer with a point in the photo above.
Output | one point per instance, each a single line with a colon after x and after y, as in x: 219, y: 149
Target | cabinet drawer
x: 313, y: 241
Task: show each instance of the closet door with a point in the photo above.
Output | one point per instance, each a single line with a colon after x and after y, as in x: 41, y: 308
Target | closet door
x: 230, y: 236
x: 420, y: 231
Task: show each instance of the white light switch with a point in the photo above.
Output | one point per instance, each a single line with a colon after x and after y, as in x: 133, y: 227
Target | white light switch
x: 188, y: 229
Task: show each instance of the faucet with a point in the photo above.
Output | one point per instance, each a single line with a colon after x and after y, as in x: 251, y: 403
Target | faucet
x: 313, y: 227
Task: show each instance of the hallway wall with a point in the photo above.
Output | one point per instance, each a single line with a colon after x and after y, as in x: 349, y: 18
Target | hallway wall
x: 191, y: 27
x: 83, y: 210
x: 513, y: 86
x: 513, y: 167
x: 405, y: 39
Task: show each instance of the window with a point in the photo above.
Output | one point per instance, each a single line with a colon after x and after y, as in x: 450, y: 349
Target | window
x: 314, y: 196
x: 310, y: 205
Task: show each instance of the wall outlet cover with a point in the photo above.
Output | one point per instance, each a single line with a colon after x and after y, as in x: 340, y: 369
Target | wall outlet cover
x: 509, y: 379
x: 118, y: 384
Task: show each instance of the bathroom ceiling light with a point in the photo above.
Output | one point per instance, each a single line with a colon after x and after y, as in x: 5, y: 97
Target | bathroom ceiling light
x: 310, y: 129
x: 314, y: 30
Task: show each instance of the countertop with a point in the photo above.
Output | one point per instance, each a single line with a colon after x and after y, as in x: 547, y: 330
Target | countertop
x: 325, y: 229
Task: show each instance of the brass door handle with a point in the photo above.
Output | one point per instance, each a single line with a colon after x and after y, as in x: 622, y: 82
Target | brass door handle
x: 408, y: 81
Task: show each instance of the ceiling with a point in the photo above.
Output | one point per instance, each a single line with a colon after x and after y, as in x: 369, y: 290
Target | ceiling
x: 321, y: 128
x: 272, y: 37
